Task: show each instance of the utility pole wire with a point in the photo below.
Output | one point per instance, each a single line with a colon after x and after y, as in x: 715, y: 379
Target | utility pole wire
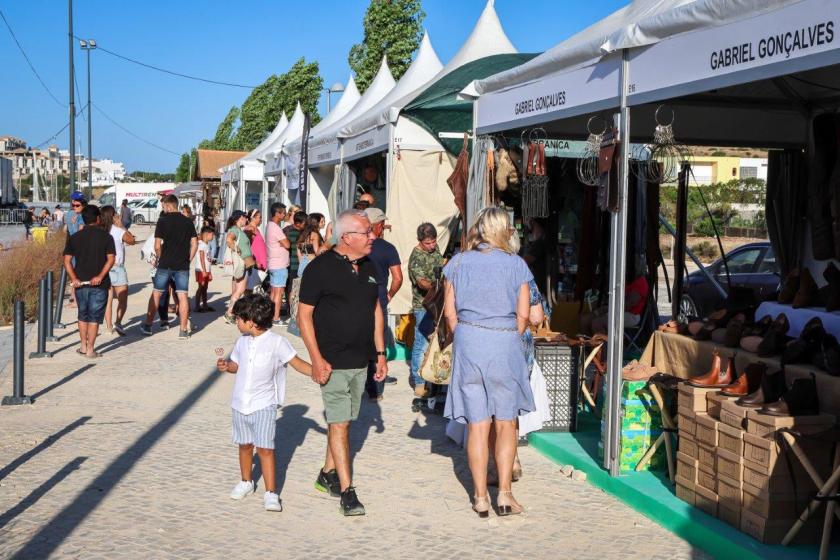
x: 127, y: 131
x: 29, y: 62
x: 171, y: 72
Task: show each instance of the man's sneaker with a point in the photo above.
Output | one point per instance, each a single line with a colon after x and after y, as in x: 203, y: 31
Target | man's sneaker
x: 271, y: 502
x: 328, y: 482
x: 350, y: 504
x: 119, y: 329
x: 164, y: 325
x: 242, y: 489
x: 390, y: 380
x: 184, y: 335
x: 278, y: 323
x: 146, y: 329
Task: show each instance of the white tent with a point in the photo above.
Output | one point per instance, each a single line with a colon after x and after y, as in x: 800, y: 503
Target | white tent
x: 273, y: 161
x: 249, y: 169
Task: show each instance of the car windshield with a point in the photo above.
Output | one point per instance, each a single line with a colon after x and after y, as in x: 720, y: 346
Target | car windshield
x: 741, y: 261
x: 768, y: 263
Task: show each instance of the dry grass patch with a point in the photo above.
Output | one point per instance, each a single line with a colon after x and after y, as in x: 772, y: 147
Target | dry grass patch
x: 21, y: 267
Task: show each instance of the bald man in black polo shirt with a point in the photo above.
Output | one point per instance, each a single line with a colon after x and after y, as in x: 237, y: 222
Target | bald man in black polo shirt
x: 343, y: 327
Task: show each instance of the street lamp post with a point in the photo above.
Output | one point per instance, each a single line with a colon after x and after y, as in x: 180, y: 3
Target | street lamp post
x: 337, y: 87
x: 88, y: 46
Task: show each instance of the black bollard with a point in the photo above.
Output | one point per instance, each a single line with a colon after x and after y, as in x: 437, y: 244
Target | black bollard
x: 43, y: 311
x: 49, y: 315
x: 17, y: 360
x: 59, y: 299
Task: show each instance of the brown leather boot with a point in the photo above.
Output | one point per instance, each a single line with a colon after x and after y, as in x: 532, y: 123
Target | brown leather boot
x: 807, y: 290
x: 790, y: 287
x: 716, y: 377
x: 749, y: 381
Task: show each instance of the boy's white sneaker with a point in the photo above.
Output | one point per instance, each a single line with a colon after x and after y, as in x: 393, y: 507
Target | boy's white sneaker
x: 242, y: 489
x: 271, y: 501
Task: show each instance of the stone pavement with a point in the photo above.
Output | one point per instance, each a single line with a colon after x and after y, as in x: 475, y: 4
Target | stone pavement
x: 129, y: 456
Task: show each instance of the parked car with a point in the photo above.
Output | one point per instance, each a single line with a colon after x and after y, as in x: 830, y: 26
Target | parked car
x: 752, y: 266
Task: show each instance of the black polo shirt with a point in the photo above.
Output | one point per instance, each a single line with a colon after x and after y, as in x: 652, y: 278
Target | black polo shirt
x: 345, y: 306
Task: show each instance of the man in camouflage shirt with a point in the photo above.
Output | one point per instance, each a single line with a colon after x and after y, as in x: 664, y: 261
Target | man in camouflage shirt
x: 421, y: 271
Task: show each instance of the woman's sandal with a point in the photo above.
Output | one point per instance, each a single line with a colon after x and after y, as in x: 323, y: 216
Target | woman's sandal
x: 481, y: 505
x: 508, y: 505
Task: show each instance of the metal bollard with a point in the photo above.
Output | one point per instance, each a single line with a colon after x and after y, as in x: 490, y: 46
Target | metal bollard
x: 49, y: 315
x: 43, y: 311
x: 17, y: 376
x: 59, y: 299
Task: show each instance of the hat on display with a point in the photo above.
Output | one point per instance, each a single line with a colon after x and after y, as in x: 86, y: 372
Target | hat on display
x: 375, y: 215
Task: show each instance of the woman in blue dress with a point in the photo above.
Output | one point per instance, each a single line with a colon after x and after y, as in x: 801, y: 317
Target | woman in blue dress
x: 487, y: 307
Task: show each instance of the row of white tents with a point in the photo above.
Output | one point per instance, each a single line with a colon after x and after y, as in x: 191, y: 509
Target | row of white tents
x: 735, y: 72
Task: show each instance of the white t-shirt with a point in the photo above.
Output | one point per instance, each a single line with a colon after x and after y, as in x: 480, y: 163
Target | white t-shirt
x: 117, y: 233
x: 261, y: 377
x: 202, y: 248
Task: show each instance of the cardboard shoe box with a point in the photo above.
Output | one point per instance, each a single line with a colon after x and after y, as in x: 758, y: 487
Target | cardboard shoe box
x: 732, y: 516
x: 714, y: 402
x: 733, y: 415
x: 772, y: 531
x: 706, y: 457
x: 706, y: 429
x: 730, y: 494
x: 685, y: 490
x: 688, y: 446
x: 693, y: 398
x: 686, y: 467
x: 764, y: 425
x: 730, y: 465
x: 707, y: 478
x: 706, y: 500
x: 731, y: 439
x: 685, y: 421
x: 775, y: 506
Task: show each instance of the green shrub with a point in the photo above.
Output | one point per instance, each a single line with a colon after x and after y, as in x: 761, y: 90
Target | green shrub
x: 705, y: 250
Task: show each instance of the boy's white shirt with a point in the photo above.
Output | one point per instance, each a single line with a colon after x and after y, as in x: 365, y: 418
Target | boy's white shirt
x: 202, y: 248
x: 260, y: 380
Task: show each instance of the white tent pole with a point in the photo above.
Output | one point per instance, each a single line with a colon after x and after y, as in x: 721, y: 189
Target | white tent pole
x: 264, y: 211
x: 618, y: 256
x: 241, y: 193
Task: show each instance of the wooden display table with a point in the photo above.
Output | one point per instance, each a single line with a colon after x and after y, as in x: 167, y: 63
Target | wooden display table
x: 685, y: 357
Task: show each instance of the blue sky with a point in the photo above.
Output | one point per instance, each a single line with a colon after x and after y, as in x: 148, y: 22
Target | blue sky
x: 242, y: 42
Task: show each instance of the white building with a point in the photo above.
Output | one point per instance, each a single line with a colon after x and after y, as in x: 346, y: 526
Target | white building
x: 753, y: 168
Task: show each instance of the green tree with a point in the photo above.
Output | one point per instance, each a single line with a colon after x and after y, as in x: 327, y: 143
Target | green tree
x: 226, y: 137
x: 182, y: 173
x: 279, y: 93
x: 393, y: 28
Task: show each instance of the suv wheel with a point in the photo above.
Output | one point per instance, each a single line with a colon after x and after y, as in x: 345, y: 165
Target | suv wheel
x: 688, y: 308
x: 138, y: 219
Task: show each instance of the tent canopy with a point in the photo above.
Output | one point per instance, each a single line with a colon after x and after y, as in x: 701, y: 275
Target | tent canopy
x: 272, y: 164
x: 437, y: 109
x: 641, y: 23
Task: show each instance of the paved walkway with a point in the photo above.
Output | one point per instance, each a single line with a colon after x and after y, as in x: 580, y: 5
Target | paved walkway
x: 129, y: 456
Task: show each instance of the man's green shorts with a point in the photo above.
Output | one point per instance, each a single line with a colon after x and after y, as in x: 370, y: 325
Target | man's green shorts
x: 342, y: 394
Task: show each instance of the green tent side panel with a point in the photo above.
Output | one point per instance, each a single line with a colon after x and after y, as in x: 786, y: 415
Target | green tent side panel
x: 438, y: 109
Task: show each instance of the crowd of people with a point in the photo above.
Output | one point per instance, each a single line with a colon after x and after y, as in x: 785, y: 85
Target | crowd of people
x: 335, y: 287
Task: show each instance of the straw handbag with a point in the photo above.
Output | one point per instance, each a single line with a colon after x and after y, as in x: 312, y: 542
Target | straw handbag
x: 437, y: 363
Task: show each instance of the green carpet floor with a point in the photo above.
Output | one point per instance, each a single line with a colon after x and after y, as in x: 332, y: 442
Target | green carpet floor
x: 652, y: 495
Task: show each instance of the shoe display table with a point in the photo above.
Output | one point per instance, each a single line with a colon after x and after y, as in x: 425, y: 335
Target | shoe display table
x: 685, y: 357
x: 799, y: 317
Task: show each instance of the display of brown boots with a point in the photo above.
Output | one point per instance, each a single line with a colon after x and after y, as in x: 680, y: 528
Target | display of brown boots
x: 805, y: 296
x: 771, y: 388
x: 748, y: 382
x: 801, y: 400
x: 832, y: 276
x: 790, y: 287
x: 716, y: 377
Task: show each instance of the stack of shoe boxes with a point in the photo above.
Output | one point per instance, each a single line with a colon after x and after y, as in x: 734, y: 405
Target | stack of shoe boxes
x: 693, y: 460
x: 776, y: 487
x: 730, y: 468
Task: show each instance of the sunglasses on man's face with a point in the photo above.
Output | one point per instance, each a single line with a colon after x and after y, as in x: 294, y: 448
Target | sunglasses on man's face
x: 76, y: 205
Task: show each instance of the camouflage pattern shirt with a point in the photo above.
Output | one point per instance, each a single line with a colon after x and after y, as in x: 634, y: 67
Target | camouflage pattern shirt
x: 421, y: 265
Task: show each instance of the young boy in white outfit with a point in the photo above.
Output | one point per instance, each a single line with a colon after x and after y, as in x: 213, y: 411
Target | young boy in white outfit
x: 259, y: 361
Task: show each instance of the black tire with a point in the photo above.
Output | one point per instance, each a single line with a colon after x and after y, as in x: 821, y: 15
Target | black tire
x: 139, y: 219
x: 688, y: 308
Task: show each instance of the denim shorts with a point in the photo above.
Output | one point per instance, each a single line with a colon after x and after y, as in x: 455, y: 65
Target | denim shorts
x: 118, y: 276
x: 91, y: 303
x: 279, y: 277
x: 257, y: 428
x: 163, y: 275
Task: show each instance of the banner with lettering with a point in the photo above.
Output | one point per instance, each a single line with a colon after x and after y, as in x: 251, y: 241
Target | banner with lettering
x: 303, y: 166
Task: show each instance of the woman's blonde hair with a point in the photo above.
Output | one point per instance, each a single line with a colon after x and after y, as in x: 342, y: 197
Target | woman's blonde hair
x: 492, y: 227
